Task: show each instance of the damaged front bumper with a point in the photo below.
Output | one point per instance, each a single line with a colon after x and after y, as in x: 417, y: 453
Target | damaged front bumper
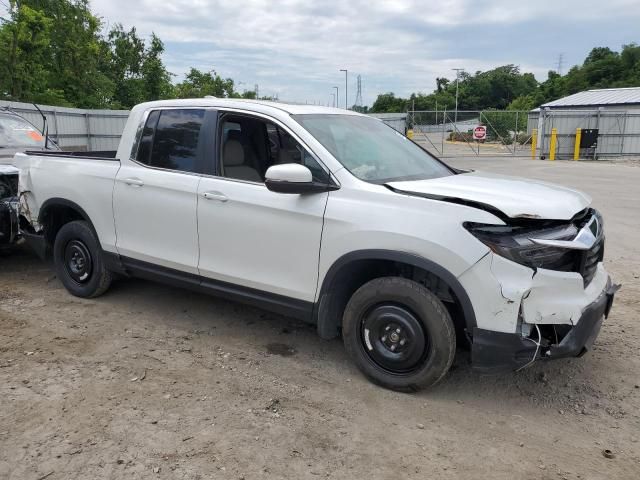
x: 498, y: 351
x: 524, y: 315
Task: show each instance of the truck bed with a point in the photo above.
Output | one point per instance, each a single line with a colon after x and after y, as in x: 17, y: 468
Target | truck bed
x: 83, y: 179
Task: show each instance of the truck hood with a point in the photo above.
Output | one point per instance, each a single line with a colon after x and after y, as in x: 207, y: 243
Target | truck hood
x: 511, y: 197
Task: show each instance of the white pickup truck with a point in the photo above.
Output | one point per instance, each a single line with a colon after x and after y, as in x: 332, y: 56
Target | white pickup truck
x: 335, y: 218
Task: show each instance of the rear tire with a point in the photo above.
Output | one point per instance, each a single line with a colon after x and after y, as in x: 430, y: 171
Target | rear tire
x: 79, y: 265
x: 399, y: 334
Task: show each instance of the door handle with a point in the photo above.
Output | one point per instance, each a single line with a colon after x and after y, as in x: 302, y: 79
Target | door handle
x: 134, y: 182
x: 215, y: 196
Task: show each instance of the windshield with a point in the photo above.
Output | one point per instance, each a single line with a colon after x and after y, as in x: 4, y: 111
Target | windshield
x: 371, y: 150
x: 17, y: 132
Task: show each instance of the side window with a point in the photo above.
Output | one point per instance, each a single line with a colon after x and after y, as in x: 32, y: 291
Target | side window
x: 249, y: 146
x: 175, y: 141
x: 146, y: 139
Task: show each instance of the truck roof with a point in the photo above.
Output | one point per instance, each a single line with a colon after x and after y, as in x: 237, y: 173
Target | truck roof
x: 293, y: 109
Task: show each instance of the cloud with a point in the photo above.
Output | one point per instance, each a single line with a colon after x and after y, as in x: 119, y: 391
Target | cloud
x: 295, y: 48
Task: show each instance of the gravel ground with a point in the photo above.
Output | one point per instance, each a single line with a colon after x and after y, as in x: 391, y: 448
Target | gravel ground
x: 155, y: 382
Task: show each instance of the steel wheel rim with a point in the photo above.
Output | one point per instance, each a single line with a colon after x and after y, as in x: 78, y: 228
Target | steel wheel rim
x: 394, y: 339
x: 78, y: 262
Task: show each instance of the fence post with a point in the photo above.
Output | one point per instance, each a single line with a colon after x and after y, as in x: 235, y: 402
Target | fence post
x: 55, y: 124
x: 444, y: 119
x: 515, y: 135
x: 552, y: 144
x: 88, y: 124
x: 534, y: 143
x: 595, y: 150
x: 576, y: 148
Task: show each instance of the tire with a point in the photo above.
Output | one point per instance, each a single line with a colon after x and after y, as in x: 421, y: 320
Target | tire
x: 387, y: 311
x: 78, y: 261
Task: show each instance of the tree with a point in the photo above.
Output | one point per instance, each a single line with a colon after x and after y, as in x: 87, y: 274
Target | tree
x: 495, y: 88
x: 136, y: 69
x: 198, y: 84
x: 53, y: 53
x: 523, y: 103
x: 24, y: 46
x: 388, y: 102
x: 125, y: 56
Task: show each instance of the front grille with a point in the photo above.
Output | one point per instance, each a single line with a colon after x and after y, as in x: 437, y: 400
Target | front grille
x: 589, y: 261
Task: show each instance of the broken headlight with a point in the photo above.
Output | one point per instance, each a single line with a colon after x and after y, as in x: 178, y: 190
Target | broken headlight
x: 514, y: 243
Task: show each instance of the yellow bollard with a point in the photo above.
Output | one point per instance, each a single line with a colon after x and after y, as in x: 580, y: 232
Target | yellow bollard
x: 576, y: 148
x: 553, y: 143
x: 534, y: 143
x: 410, y: 134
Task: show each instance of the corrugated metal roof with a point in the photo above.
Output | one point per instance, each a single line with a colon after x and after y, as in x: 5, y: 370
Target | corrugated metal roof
x: 605, y: 96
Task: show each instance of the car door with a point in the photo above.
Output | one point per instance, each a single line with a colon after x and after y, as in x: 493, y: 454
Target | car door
x: 250, y: 236
x: 155, y: 194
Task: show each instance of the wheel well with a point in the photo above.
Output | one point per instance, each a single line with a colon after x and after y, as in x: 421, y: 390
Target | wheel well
x: 342, y: 282
x: 56, y: 215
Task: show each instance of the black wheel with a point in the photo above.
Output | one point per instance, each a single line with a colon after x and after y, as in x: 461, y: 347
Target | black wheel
x: 399, y: 334
x: 78, y: 260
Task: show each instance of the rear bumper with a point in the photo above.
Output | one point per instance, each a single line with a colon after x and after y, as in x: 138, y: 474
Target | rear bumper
x: 497, y: 351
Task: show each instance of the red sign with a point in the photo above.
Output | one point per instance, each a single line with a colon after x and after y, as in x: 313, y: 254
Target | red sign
x: 480, y: 132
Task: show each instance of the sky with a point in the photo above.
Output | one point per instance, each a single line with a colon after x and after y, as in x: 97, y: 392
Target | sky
x: 295, y: 49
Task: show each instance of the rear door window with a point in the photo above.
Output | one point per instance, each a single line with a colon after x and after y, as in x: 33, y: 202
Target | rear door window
x: 176, y: 140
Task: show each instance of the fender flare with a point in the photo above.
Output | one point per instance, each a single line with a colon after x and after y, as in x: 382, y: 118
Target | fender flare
x: 55, y: 202
x: 327, y: 321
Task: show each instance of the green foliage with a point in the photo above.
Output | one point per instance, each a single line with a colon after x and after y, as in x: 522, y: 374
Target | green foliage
x: 495, y: 88
x: 501, y: 124
x: 388, y: 102
x: 24, y: 45
x: 198, y: 84
x: 506, y: 88
x: 134, y: 68
x: 523, y: 103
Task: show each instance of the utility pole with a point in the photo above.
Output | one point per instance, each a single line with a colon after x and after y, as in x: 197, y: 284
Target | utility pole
x: 337, y: 96
x: 346, y: 91
x: 458, y: 70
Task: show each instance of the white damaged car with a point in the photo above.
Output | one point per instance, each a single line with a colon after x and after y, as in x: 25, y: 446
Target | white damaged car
x: 332, y: 217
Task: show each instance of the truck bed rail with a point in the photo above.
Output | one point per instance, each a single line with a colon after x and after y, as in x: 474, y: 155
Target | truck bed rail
x: 94, y: 155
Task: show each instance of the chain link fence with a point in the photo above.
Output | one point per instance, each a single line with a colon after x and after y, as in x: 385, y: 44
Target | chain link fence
x: 535, y: 134
x: 450, y: 133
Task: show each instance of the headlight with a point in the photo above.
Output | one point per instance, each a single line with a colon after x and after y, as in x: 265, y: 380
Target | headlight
x: 513, y: 242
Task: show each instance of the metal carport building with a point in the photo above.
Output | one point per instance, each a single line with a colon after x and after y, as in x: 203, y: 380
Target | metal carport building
x: 610, y: 117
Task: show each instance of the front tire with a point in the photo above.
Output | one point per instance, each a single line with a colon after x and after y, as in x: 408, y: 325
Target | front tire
x: 78, y: 260
x: 399, y: 334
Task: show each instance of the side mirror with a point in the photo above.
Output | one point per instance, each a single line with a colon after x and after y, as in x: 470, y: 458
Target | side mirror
x: 292, y: 178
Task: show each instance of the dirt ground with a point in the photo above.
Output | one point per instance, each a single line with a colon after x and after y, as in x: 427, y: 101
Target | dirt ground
x: 155, y: 382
